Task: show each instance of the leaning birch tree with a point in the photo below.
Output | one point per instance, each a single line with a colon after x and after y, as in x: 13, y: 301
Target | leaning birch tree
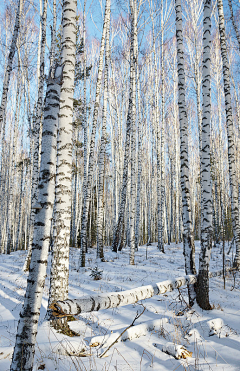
x: 23, y: 355
x: 36, y: 131
x: 9, y: 67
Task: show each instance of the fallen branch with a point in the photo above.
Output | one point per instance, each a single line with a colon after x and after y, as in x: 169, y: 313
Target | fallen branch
x: 116, y: 340
x: 116, y: 299
x: 129, y: 334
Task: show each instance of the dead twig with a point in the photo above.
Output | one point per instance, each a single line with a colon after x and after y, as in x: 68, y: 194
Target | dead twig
x: 132, y: 324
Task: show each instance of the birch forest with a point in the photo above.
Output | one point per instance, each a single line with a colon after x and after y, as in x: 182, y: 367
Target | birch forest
x: 119, y: 168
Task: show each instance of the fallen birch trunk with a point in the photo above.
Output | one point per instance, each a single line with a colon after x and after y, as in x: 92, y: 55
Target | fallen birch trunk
x: 117, y: 299
x: 131, y: 333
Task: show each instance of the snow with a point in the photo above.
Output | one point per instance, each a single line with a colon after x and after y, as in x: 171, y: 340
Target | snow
x: 131, y: 333
x: 215, y: 326
x: 187, y: 328
x: 177, y: 351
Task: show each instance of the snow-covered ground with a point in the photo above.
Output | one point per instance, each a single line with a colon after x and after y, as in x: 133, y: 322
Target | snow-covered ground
x: 192, y: 329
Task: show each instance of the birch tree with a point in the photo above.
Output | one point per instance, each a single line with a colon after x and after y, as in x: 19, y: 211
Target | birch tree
x: 206, y: 186
x: 8, y: 70
x: 36, y: 130
x: 234, y: 23
x: 87, y: 188
x: 188, y: 241
x: 134, y: 59
x: 230, y: 134
x: 24, y: 349
x: 63, y: 189
x: 102, y: 154
x: 117, y: 236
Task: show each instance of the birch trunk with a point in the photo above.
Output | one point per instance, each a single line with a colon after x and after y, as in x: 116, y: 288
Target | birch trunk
x: 63, y: 188
x: 206, y: 186
x: 188, y: 241
x: 87, y: 195
x: 139, y: 184
x: 36, y: 132
x: 85, y: 129
x: 118, y: 299
x: 133, y: 57
x: 53, y: 36
x: 230, y: 135
x: 119, y: 226
x: 162, y: 161
x: 24, y: 349
x: 8, y: 70
x: 234, y: 23
x: 102, y: 155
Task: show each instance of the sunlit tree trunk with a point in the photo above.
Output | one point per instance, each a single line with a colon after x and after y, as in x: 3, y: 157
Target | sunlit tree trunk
x: 206, y: 184
x: 230, y: 134
x: 188, y: 240
x: 133, y: 57
x: 87, y: 191
x: 139, y: 183
x: 36, y: 132
x: 8, y: 70
x: 117, y: 236
x: 102, y: 154
x: 162, y: 160
x: 234, y: 22
x: 63, y: 189
x: 24, y: 349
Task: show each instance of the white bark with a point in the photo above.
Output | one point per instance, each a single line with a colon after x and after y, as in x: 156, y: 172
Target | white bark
x: 27, y: 326
x: 206, y: 184
x: 53, y: 36
x: 63, y: 188
x: 234, y: 23
x: 102, y: 154
x: 230, y: 134
x: 8, y: 70
x: 162, y: 160
x: 87, y: 193
x: 118, y: 299
x: 188, y: 241
x: 120, y: 222
x: 139, y: 183
x: 134, y: 59
x: 36, y: 132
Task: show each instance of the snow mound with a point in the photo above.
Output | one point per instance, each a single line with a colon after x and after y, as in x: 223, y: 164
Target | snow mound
x: 132, y: 333
x: 215, y: 326
x: 68, y: 347
x: 193, y: 336
x: 177, y: 351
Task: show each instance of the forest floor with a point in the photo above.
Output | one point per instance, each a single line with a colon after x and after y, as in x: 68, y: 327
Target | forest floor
x: 218, y: 352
